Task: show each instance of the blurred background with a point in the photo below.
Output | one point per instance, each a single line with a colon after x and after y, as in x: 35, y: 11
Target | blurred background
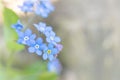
x: 90, y: 32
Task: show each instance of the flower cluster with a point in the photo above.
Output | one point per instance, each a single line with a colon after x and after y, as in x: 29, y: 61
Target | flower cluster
x: 48, y: 49
x: 39, y: 7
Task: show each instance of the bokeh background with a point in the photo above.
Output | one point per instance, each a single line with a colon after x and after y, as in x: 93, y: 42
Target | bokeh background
x: 90, y: 32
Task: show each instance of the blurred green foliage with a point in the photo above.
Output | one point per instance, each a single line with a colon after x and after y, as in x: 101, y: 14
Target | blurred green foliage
x: 36, y: 71
x: 10, y: 35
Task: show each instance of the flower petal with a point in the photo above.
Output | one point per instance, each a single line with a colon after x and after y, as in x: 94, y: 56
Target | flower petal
x: 51, y: 57
x: 31, y: 42
x: 45, y: 56
x: 33, y: 36
x: 28, y: 32
x: 47, y: 34
x: 28, y: 42
x: 31, y: 49
x: 43, y: 46
x: 50, y: 45
x: 39, y: 40
x: 57, y: 39
x: 54, y: 51
x: 20, y: 34
x: 59, y: 47
x: 19, y: 41
x: 52, y: 33
x: 48, y: 40
x: 39, y: 52
x: 49, y: 28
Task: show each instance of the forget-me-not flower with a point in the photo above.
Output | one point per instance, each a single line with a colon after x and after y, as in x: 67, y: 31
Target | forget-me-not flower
x: 39, y: 7
x: 40, y: 27
x: 52, y: 38
x: 50, y: 52
x: 26, y: 37
x: 18, y: 26
x: 43, y: 8
x: 27, y: 6
x: 37, y: 46
x: 40, y: 10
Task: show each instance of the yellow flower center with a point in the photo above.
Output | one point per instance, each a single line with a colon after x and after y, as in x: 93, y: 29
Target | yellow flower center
x: 49, y: 51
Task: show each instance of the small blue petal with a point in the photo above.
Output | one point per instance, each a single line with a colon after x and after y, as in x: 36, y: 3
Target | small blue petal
x: 18, y: 26
x: 57, y: 39
x: 48, y: 40
x: 32, y: 42
x: 27, y: 6
x: 45, y: 50
x: 59, y: 47
x: 19, y: 41
x: 40, y: 27
x: 28, y: 43
x: 47, y: 34
x: 50, y: 45
x: 52, y: 33
x: 39, y: 40
x: 40, y: 10
x: 45, y: 56
x: 28, y: 32
x: 33, y: 36
x: 55, y: 51
x: 31, y: 49
x: 49, y: 28
x: 51, y: 57
x: 20, y: 34
x: 43, y: 46
x: 39, y: 52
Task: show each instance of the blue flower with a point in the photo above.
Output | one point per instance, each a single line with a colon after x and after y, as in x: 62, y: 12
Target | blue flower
x: 47, y: 4
x: 39, y: 7
x: 27, y: 6
x: 43, y: 28
x: 47, y: 30
x: 36, y: 46
x: 59, y: 47
x: 43, y: 8
x: 26, y: 37
x: 50, y: 52
x: 40, y: 27
x: 54, y: 66
x: 52, y: 38
x: 18, y: 26
x: 40, y: 10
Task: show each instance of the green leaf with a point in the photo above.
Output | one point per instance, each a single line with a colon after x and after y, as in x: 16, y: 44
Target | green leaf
x: 48, y: 76
x: 10, y: 35
x: 36, y: 68
x: 39, y: 71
